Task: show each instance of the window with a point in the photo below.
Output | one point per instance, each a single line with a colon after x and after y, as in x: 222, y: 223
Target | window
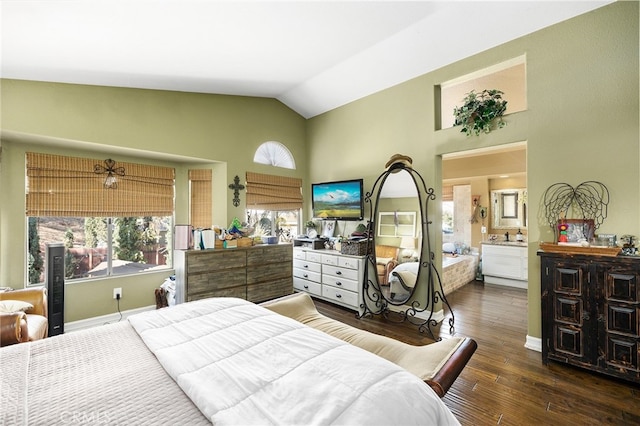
x: 274, y: 204
x: 284, y: 224
x: 113, y: 218
x: 274, y: 154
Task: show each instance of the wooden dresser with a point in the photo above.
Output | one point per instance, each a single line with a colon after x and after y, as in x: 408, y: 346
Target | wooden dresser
x: 256, y: 273
x: 591, y: 312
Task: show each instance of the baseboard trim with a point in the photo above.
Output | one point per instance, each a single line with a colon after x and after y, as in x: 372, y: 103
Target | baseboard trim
x: 70, y: 327
x: 533, y: 343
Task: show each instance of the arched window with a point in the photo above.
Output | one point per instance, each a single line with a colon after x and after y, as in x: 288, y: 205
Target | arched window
x: 274, y: 154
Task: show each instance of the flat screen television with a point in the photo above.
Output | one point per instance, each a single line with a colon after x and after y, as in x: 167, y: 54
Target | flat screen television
x: 339, y: 200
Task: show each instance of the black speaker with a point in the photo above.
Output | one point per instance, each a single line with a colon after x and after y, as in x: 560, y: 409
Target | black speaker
x: 55, y: 287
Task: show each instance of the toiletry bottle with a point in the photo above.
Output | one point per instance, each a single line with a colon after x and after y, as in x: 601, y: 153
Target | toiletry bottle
x: 519, y: 236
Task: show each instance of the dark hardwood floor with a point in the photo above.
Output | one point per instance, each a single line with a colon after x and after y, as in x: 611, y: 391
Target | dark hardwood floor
x: 504, y: 382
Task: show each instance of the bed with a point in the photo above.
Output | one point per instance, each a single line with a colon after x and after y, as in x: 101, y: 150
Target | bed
x: 219, y: 360
x: 457, y: 271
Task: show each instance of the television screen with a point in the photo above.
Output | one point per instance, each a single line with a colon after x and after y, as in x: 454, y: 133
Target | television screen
x: 341, y: 200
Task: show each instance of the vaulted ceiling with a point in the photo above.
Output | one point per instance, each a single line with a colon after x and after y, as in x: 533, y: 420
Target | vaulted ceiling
x: 311, y: 55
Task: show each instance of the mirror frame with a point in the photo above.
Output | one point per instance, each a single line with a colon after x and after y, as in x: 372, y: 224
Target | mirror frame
x: 427, y: 278
x: 517, y: 214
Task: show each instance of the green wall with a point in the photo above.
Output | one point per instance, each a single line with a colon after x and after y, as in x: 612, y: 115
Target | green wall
x: 158, y: 127
x: 581, y: 123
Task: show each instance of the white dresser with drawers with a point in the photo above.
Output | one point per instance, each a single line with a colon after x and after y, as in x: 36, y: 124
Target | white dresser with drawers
x: 329, y: 275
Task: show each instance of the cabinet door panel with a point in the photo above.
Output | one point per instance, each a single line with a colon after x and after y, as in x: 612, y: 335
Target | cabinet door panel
x: 622, y: 319
x: 569, y: 310
x: 568, y: 280
x: 569, y: 340
x: 622, y: 353
x: 621, y: 286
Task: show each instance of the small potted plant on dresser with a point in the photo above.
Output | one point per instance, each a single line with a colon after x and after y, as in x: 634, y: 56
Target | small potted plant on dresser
x: 310, y: 226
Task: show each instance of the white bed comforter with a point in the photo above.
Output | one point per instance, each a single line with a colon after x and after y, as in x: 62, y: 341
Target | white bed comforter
x: 243, y: 364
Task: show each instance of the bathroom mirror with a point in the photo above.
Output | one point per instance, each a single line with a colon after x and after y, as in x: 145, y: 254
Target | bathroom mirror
x: 408, y: 288
x: 509, y: 208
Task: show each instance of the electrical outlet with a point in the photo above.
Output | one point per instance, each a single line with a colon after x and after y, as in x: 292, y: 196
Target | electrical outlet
x: 117, y: 293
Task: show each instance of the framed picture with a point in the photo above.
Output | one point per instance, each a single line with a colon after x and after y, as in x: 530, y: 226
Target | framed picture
x: 328, y: 228
x: 578, y: 229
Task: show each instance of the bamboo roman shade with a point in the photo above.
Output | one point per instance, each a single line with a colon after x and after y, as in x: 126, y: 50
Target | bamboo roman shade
x: 68, y: 186
x: 447, y: 192
x: 270, y: 192
x: 201, y: 199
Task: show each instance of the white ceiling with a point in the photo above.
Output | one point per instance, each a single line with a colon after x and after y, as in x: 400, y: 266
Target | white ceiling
x: 311, y: 55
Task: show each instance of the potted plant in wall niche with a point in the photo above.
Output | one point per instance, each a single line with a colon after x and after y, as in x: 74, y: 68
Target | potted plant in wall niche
x: 479, y: 111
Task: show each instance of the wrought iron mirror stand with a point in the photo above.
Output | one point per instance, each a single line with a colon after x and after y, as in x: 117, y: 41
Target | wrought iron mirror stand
x: 413, y: 307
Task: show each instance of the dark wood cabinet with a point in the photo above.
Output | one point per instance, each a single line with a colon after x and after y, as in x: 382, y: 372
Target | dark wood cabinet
x: 591, y: 312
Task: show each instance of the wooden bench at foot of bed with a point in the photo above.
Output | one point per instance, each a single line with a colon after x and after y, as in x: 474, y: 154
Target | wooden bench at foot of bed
x: 437, y: 364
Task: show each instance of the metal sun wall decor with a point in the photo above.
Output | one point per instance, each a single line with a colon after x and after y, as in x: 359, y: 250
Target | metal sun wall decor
x: 590, y: 199
x: 110, y: 182
x: 236, y: 187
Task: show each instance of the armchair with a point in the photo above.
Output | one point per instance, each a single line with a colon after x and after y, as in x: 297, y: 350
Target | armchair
x: 386, y: 260
x: 24, y: 326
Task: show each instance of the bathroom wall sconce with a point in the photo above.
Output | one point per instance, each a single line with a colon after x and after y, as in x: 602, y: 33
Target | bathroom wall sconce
x: 110, y: 181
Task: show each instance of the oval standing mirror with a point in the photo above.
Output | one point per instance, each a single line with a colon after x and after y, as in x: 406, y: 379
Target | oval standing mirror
x: 397, y: 238
x: 400, y: 280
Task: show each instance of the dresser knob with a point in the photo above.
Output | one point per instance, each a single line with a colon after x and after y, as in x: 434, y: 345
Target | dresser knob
x: 338, y: 272
x: 338, y: 295
x: 338, y: 283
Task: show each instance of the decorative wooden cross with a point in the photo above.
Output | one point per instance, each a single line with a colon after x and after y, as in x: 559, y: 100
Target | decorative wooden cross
x: 236, y: 187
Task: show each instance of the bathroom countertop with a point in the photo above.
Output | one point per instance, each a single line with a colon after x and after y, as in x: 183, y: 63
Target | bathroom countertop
x: 506, y: 243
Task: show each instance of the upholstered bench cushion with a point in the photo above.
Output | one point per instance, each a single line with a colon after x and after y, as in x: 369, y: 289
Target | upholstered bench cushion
x: 423, y: 361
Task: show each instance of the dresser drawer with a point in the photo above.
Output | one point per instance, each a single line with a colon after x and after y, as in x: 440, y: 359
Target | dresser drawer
x: 313, y: 256
x: 307, y: 286
x: 225, y: 278
x: 342, y: 296
x: 335, y: 271
x: 307, y: 275
x: 340, y: 282
x: 213, y: 260
x: 269, y: 289
x: 349, y: 262
x: 307, y: 266
x: 328, y: 259
x: 205, y: 293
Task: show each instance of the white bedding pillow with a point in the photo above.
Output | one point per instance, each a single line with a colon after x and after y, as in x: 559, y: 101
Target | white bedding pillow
x: 449, y: 248
x: 10, y: 306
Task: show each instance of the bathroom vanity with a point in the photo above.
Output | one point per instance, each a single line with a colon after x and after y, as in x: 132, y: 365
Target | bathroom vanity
x: 505, y: 263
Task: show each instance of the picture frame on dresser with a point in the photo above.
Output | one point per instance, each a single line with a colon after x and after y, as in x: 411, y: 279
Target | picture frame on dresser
x: 578, y: 229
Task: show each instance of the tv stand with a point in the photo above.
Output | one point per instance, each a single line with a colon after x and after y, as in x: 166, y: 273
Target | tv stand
x: 312, y: 243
